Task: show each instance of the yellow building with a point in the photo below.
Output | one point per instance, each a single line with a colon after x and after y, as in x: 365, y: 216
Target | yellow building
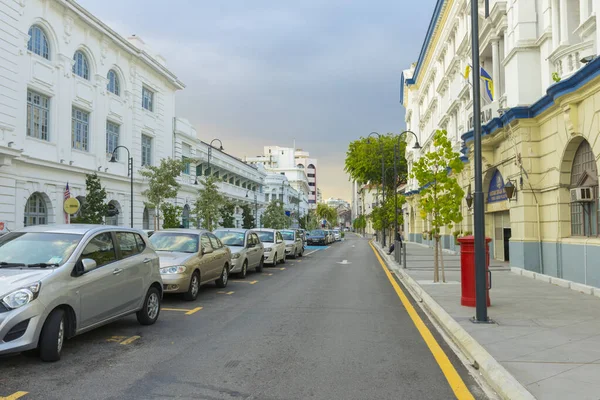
x: 538, y: 134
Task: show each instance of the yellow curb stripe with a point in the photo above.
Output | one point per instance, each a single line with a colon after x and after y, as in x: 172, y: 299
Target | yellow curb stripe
x: 14, y: 396
x: 195, y: 310
x: 456, y: 383
x: 130, y: 340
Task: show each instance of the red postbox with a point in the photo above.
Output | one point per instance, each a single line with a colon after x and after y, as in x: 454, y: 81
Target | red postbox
x: 467, y: 270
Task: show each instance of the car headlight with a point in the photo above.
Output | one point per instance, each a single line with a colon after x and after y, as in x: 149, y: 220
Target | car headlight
x: 176, y: 269
x: 23, y: 296
x: 267, y: 249
x: 235, y: 256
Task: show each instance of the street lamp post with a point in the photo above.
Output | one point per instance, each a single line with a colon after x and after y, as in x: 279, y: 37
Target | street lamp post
x: 481, y: 315
x: 417, y: 146
x: 113, y: 159
x: 210, y: 147
x: 382, y: 174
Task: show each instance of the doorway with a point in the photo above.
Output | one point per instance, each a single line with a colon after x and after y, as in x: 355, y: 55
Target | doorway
x: 506, y: 235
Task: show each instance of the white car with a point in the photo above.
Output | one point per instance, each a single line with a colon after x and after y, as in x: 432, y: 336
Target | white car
x: 337, y: 235
x: 274, y: 245
x: 294, y: 245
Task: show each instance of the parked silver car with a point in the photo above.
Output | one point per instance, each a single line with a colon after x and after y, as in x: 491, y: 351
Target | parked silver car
x: 294, y: 246
x: 247, y: 251
x: 274, y: 245
x: 59, y: 281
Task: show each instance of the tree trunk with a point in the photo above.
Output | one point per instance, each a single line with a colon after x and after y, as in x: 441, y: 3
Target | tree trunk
x: 442, y: 263
x: 436, y: 271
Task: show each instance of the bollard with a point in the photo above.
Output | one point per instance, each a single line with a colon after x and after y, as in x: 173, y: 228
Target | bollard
x: 404, y: 247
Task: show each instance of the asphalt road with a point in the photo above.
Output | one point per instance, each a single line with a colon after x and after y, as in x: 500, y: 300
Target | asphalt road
x: 309, y: 329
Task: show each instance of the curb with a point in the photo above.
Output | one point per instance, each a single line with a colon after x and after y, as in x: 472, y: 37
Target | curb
x: 505, y: 385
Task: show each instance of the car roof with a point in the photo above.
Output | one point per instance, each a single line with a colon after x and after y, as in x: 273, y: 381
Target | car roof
x: 78, y: 229
x: 238, y: 230
x: 266, y: 230
x: 183, y: 230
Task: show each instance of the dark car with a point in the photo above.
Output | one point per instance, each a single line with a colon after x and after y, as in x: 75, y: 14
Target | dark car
x: 318, y: 236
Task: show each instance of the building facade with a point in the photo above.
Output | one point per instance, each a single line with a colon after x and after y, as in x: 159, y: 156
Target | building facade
x: 75, y: 90
x: 72, y: 91
x: 540, y: 128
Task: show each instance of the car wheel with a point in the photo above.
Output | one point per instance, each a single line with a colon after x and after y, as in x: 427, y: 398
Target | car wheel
x: 151, y: 309
x: 222, y: 281
x: 275, y: 260
x: 194, y: 289
x: 295, y: 254
x: 260, y: 265
x: 244, y: 270
x: 283, y: 259
x: 53, y: 336
x: 301, y: 252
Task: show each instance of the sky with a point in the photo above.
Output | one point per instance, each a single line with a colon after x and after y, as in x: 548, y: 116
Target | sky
x: 259, y: 73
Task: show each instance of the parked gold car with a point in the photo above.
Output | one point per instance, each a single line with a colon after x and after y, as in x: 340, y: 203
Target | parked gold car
x: 190, y: 258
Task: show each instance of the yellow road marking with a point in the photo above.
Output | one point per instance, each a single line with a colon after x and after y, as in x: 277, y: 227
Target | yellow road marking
x: 282, y: 269
x: 268, y: 274
x: 116, y: 339
x: 249, y: 282
x: 456, y: 383
x: 185, y: 310
x: 14, y: 396
x: 130, y: 340
x: 221, y: 292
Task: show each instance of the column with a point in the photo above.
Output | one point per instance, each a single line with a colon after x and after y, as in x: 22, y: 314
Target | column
x: 555, y: 23
x: 564, y: 22
x: 496, y: 67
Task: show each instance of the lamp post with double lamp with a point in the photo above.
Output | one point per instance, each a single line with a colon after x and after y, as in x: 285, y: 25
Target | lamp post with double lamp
x: 417, y: 146
x: 380, y: 138
x: 113, y: 159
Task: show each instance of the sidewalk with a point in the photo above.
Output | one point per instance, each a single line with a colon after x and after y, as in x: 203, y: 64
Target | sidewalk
x: 545, y: 336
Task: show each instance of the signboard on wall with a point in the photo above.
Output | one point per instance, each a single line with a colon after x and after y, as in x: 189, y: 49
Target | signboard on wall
x: 496, y: 191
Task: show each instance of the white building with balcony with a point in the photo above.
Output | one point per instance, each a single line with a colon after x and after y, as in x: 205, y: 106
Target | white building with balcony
x: 539, y: 132
x: 72, y: 90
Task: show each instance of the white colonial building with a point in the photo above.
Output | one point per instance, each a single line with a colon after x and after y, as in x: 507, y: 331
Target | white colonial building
x: 71, y: 91
x: 540, y: 129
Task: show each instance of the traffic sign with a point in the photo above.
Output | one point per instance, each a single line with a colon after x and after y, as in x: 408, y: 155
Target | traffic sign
x: 71, y: 205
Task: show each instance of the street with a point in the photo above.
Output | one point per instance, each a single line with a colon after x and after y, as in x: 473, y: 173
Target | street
x: 313, y: 328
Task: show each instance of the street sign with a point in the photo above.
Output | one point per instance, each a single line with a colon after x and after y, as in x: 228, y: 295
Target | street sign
x: 71, y: 205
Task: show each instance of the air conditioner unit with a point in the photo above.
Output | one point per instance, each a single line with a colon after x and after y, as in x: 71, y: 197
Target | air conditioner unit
x: 582, y: 194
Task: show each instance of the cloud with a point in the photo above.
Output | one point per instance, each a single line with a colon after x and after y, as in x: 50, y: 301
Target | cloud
x: 265, y: 72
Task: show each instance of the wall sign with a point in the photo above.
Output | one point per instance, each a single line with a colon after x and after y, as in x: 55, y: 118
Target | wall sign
x: 496, y: 191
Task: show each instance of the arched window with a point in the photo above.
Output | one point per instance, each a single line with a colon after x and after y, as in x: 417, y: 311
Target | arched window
x: 146, y: 219
x: 585, y: 216
x: 38, y: 42
x: 113, y: 85
x: 36, y: 212
x: 81, y: 65
x: 185, y: 216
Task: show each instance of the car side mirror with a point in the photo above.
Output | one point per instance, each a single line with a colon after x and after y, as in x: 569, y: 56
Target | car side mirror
x: 206, y: 250
x: 85, y: 265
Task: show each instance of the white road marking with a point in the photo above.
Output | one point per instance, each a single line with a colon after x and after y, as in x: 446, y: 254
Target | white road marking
x: 345, y: 262
x: 310, y: 252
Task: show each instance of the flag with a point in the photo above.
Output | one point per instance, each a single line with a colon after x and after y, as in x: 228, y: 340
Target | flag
x: 467, y: 71
x: 489, y: 84
x: 67, y: 192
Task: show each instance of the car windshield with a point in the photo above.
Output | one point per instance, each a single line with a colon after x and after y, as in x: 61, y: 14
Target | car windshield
x: 231, y: 238
x: 287, y: 235
x: 317, y: 233
x: 175, y: 241
x: 266, y: 237
x: 336, y: 232
x: 37, y: 248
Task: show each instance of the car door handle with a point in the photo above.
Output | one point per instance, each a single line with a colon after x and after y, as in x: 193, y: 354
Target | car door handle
x: 117, y: 271
x: 147, y: 260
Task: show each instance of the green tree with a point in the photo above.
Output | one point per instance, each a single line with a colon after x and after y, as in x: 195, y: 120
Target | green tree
x: 324, y: 212
x: 209, y: 203
x: 360, y: 223
x: 363, y: 159
x: 247, y: 217
x: 171, y: 214
x: 227, y: 218
x: 162, y: 182
x: 274, y: 216
x: 441, y: 195
x: 94, y: 209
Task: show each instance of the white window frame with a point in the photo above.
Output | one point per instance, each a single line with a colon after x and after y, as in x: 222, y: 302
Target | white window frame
x: 113, y: 131
x: 38, y: 42
x: 83, y: 125
x: 81, y: 65
x: 42, y: 119
x: 146, y: 150
x: 113, y: 85
x: 147, y: 99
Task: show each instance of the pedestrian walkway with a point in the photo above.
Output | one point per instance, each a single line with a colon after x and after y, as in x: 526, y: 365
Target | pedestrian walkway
x: 546, y: 336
